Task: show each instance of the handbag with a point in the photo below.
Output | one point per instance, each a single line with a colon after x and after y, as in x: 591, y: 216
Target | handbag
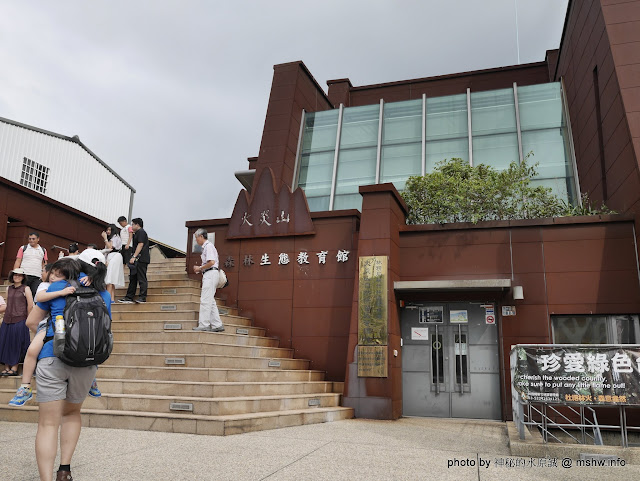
x: 222, y: 279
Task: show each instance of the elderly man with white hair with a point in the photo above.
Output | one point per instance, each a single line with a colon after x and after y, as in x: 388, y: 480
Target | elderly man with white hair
x: 209, y: 318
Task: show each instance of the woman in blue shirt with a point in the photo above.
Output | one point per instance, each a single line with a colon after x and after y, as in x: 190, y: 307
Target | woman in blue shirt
x: 61, y: 389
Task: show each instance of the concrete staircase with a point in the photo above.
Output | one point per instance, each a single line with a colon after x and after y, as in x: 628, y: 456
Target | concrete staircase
x: 162, y: 376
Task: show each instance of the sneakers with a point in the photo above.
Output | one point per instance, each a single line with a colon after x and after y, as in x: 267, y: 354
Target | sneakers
x: 21, y: 397
x: 202, y: 328
x: 125, y: 300
x: 93, y: 390
x: 141, y: 300
x: 217, y: 329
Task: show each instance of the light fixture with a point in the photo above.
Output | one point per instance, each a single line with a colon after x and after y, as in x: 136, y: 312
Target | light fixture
x: 518, y: 293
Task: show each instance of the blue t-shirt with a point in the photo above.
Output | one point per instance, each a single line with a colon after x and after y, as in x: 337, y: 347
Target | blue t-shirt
x: 56, y: 308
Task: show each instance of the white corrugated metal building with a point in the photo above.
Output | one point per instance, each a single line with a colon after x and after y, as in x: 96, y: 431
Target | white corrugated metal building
x: 63, y: 169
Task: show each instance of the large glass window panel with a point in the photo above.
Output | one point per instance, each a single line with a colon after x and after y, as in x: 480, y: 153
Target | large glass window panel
x: 437, y: 151
x: 560, y: 186
x: 360, y: 127
x: 401, y: 154
x: 315, y: 178
x: 320, y: 130
x: 493, y: 128
x: 498, y: 151
x: 540, y: 106
x: 357, y: 155
x: 402, y: 122
x: 356, y: 167
x: 399, y: 162
x: 447, y: 117
x: 580, y: 330
x: 493, y: 112
x: 316, y: 159
x: 595, y: 329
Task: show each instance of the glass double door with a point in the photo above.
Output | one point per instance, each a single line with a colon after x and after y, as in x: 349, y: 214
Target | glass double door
x: 450, y: 361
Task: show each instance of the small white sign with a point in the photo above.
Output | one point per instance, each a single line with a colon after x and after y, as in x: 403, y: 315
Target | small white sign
x: 419, y: 333
x: 508, y: 310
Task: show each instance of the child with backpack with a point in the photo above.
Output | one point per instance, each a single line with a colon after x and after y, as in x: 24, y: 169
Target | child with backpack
x: 25, y: 392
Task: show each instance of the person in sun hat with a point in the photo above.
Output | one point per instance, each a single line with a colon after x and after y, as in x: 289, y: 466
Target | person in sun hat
x: 14, y: 335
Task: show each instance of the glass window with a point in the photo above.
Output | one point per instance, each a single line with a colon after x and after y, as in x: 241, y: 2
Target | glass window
x: 614, y: 329
x: 401, y: 155
x: 493, y: 126
x: 545, y: 133
x: 447, y: 129
x: 357, y: 157
x: 316, y: 158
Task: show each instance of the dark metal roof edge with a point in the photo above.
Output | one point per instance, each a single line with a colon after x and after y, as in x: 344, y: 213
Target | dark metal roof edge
x: 447, y: 76
x: 167, y: 246
x: 69, y: 139
x: 564, y: 30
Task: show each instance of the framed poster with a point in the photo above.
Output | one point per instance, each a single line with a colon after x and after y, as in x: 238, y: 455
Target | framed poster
x: 458, y: 316
x: 431, y: 314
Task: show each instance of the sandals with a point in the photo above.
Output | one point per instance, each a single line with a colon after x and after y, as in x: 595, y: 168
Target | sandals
x: 9, y: 372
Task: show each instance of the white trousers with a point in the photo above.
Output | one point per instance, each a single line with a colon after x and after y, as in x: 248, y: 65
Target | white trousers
x: 209, y: 315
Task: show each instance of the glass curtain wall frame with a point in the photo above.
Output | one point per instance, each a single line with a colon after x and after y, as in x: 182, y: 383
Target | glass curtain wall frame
x: 494, y: 128
x: 388, y: 142
x: 447, y: 130
x: 317, y: 153
x: 545, y: 132
x: 401, y: 143
x: 357, y: 155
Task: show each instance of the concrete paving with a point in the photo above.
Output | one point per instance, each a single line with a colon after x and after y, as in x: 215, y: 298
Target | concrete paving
x: 356, y: 449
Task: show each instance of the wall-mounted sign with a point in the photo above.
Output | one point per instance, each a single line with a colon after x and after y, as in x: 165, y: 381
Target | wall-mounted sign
x: 458, y: 316
x: 508, y: 310
x: 419, y: 333
x: 489, y: 314
x: 593, y: 375
x: 372, y: 361
x: 268, y: 212
x: 372, y: 301
x: 431, y: 314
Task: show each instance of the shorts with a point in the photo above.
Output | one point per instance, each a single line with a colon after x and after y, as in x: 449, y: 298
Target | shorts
x: 57, y: 381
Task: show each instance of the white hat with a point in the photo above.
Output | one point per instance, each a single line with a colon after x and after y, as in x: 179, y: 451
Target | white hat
x: 88, y: 256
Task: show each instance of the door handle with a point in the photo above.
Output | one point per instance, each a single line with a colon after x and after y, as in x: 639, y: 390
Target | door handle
x: 459, y: 356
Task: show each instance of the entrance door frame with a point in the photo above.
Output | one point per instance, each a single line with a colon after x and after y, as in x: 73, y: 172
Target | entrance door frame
x: 498, y: 297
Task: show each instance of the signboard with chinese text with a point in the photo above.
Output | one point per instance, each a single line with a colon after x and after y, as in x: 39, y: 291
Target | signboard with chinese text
x: 372, y: 301
x: 606, y: 375
x: 372, y: 361
x: 431, y: 314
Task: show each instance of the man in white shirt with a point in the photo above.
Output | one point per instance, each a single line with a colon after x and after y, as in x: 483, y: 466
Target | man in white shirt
x: 32, y: 258
x: 209, y: 318
x: 126, y: 236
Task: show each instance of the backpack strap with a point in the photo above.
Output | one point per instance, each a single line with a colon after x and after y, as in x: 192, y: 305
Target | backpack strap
x: 47, y: 338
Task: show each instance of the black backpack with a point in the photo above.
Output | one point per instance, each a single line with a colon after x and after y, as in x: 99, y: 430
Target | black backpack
x: 88, y: 337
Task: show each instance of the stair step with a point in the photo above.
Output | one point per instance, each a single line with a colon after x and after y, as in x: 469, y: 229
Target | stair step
x: 191, y: 423
x: 166, y: 290
x: 205, y: 361
x: 203, y: 406
x: 171, y: 347
x: 212, y: 374
x: 156, y: 306
x: 229, y: 336
x: 231, y: 324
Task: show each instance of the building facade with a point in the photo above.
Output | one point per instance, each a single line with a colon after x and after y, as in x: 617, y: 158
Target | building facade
x: 56, y: 186
x: 420, y: 319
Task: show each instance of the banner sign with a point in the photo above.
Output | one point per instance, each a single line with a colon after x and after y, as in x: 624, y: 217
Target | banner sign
x: 601, y: 375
